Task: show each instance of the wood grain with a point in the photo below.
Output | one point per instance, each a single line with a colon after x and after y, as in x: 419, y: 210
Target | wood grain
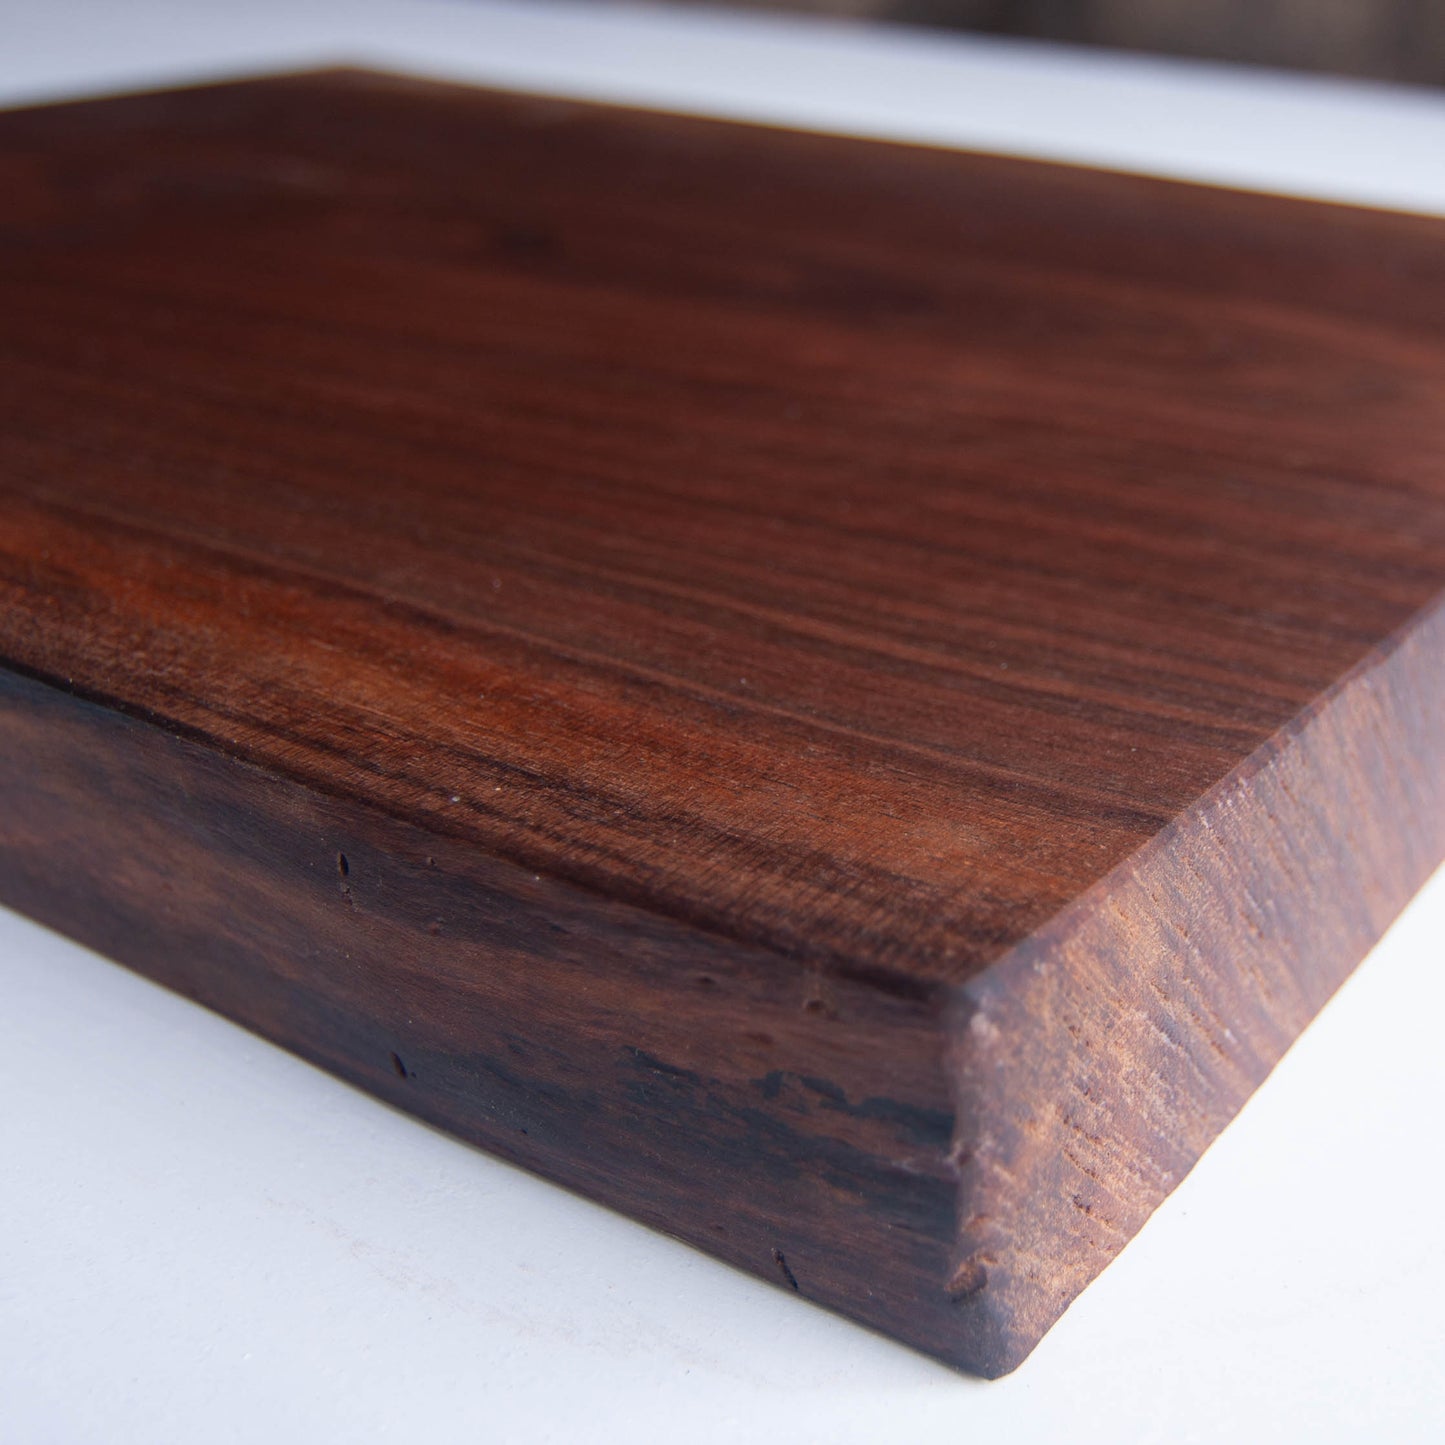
x: 847, y: 700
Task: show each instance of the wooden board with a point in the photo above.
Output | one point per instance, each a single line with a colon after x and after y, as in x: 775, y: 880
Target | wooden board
x: 846, y: 700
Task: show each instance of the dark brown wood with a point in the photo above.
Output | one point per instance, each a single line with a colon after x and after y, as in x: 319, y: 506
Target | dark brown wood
x: 847, y: 700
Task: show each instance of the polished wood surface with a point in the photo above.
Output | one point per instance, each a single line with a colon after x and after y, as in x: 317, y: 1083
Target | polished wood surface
x: 846, y: 699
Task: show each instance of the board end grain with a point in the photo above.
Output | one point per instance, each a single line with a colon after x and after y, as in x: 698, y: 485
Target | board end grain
x: 1094, y: 1064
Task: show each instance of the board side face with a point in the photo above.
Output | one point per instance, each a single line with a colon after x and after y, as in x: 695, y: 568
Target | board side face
x: 1094, y: 1065
x: 792, y: 1124
x: 855, y: 550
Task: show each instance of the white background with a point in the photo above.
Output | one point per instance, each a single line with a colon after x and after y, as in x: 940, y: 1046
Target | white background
x: 202, y: 1239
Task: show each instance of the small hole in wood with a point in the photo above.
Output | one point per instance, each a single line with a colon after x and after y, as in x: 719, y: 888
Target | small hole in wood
x: 399, y: 1067
x: 342, y: 866
x: 968, y: 1279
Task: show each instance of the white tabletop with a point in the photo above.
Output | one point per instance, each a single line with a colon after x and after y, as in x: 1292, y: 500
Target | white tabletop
x: 202, y: 1239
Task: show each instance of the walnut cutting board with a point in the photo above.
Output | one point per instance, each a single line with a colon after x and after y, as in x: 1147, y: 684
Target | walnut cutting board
x: 847, y: 700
